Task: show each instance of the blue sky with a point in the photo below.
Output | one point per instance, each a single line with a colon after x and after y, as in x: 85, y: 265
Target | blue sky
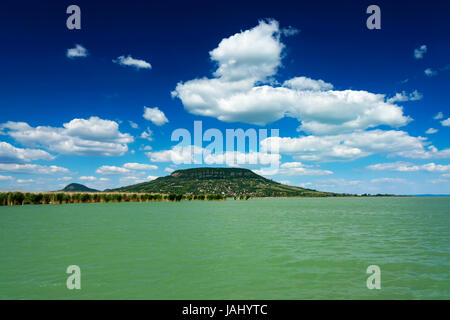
x: 363, y: 128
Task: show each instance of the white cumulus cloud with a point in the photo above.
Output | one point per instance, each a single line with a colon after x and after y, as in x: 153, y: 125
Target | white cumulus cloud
x: 299, y: 169
x: 155, y: 115
x: 125, y: 169
x: 355, y: 145
x: 88, y: 178
x: 110, y: 170
x: 303, y: 83
x: 9, y: 153
x: 139, y: 166
x: 190, y: 154
x: 88, y: 137
x: 446, y: 123
x: 129, y: 61
x: 403, y: 96
x: 242, y: 90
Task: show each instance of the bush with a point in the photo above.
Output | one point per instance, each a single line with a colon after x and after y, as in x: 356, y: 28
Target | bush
x: 46, y: 198
x: 85, y: 197
x: 3, y: 199
x: 17, y: 198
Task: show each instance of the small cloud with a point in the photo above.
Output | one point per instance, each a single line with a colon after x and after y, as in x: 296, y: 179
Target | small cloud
x: 152, y: 177
x: 430, y: 72
x: 439, y: 115
x: 88, y: 178
x: 388, y: 180
x: 110, y: 170
x: 5, y: 178
x: 25, y: 181
x: 139, y: 166
x: 409, y: 167
x: 290, y: 31
x: 438, y: 181
x: 169, y: 170
x: 403, y: 96
x: 431, y: 131
x: 134, y: 125
x: 155, y: 115
x: 129, y: 180
x: 420, y: 52
x: 446, y: 123
x: 64, y: 179
x: 32, y: 168
x: 78, y: 52
x: 147, y: 134
x: 129, y: 61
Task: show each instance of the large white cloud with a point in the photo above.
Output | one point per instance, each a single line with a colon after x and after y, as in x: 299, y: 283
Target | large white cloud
x: 9, y: 153
x: 250, y: 54
x: 351, y: 146
x: 238, y: 93
x: 93, y: 136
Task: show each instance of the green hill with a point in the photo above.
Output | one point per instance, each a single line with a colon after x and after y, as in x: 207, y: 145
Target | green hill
x: 227, y: 181
x: 76, y: 187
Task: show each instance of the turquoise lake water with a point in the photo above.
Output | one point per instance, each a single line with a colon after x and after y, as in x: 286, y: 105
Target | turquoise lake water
x: 304, y: 248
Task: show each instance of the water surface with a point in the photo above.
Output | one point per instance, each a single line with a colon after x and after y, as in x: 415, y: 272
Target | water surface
x: 307, y: 248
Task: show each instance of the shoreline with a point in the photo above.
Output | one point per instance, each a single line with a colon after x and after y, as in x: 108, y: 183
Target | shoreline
x: 18, y: 198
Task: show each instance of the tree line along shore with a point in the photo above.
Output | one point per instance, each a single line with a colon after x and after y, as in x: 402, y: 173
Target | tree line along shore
x: 23, y: 198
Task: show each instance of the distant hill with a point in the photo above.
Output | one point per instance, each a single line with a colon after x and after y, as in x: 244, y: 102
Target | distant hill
x: 227, y: 181
x: 76, y: 187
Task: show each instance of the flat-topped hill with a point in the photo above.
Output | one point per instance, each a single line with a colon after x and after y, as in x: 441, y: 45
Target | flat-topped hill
x: 226, y: 181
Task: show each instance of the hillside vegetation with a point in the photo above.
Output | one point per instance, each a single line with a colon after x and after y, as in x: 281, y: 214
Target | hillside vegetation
x: 225, y: 181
